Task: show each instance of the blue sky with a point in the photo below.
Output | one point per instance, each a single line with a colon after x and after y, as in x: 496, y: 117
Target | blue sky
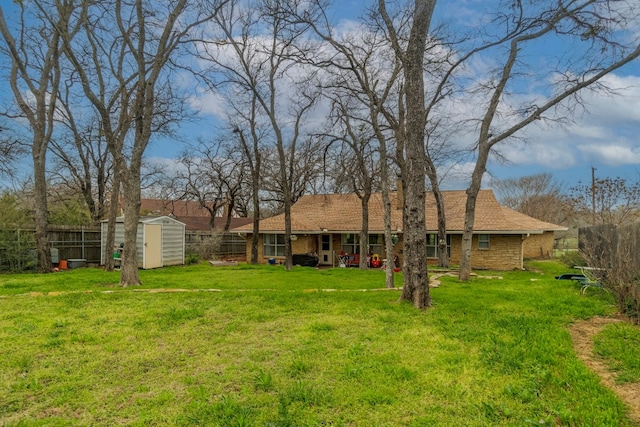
x: 606, y: 136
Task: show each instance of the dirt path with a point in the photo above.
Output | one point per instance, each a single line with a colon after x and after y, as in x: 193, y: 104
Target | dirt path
x: 582, y: 333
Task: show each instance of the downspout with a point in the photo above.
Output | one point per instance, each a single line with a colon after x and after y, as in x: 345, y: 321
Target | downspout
x: 524, y: 237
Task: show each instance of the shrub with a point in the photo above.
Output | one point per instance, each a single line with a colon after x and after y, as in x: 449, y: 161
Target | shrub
x: 16, y: 251
x: 628, y: 297
x: 191, y: 258
x: 573, y: 258
x: 612, y: 251
x: 208, y: 246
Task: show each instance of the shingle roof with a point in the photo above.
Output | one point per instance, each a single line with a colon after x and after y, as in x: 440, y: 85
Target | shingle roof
x: 202, y: 223
x: 190, y: 212
x: 175, y: 207
x: 343, y: 213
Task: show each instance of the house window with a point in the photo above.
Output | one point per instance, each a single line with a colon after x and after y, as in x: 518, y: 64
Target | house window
x: 432, y: 245
x: 350, y: 243
x: 375, y: 243
x: 273, y: 244
x: 483, y: 241
x: 326, y: 242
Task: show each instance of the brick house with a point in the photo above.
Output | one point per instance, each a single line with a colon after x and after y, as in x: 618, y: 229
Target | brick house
x: 329, y: 226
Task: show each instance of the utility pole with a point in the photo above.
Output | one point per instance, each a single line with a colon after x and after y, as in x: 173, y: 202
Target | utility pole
x: 593, y: 195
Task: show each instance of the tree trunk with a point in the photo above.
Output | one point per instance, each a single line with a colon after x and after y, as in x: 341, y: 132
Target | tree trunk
x: 256, y: 217
x: 467, y: 235
x: 131, y: 197
x: 364, y: 231
x: 111, y: 224
x: 40, y: 205
x: 416, y: 281
x: 229, y: 211
x: 470, y: 213
x: 388, y: 240
x: 443, y: 254
x: 288, y: 254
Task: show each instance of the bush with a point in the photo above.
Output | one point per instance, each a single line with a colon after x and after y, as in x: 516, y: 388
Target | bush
x: 573, y: 258
x: 16, y: 251
x: 208, y: 247
x: 628, y: 297
x: 612, y: 251
x: 191, y: 258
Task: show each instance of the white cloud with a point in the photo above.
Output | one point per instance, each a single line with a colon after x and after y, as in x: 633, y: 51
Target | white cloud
x: 551, y: 153
x: 210, y: 103
x: 613, y: 155
x: 606, y: 133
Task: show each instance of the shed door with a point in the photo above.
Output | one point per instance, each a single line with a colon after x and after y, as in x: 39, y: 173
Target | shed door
x: 152, y: 257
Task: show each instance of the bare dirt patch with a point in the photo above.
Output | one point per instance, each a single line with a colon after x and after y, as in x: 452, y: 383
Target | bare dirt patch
x: 582, y: 333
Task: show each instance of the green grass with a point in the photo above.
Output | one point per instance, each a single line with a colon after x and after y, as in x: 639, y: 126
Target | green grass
x: 619, y: 345
x: 199, y: 276
x: 272, y: 348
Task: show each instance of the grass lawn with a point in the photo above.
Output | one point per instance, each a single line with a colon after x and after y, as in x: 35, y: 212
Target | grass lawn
x: 259, y: 346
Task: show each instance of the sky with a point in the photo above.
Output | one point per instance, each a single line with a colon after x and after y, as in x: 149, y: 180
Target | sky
x: 606, y: 136
x: 603, y: 137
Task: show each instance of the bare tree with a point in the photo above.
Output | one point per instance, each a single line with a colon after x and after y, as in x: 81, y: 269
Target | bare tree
x: 304, y: 171
x: 540, y: 196
x: 595, y: 38
x: 251, y: 148
x: 254, y: 50
x: 84, y: 161
x: 613, y: 201
x: 611, y: 252
x: 32, y: 46
x: 432, y: 174
x: 596, y: 26
x: 362, y: 69
x: 122, y: 52
x: 356, y: 161
x: 212, y: 176
x: 11, y: 150
x: 411, y: 55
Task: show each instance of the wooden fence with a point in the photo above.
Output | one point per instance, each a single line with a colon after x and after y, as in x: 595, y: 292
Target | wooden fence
x: 76, y: 243
x: 231, y: 244
x: 70, y: 242
x: 609, y: 245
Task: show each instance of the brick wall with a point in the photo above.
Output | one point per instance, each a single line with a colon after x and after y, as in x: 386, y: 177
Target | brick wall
x: 504, y: 253
x: 539, y: 245
x: 302, y: 245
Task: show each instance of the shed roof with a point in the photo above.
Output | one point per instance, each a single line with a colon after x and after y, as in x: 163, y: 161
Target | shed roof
x: 150, y: 219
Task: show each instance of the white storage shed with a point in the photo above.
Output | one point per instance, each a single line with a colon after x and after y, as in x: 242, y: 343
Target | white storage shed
x: 160, y: 241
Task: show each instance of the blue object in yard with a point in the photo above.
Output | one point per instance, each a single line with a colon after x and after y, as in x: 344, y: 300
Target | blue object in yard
x: 272, y: 261
x: 571, y: 276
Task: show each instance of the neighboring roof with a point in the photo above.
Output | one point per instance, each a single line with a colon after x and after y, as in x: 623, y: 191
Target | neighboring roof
x: 202, y: 223
x: 177, y: 208
x: 189, y: 212
x: 343, y: 213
